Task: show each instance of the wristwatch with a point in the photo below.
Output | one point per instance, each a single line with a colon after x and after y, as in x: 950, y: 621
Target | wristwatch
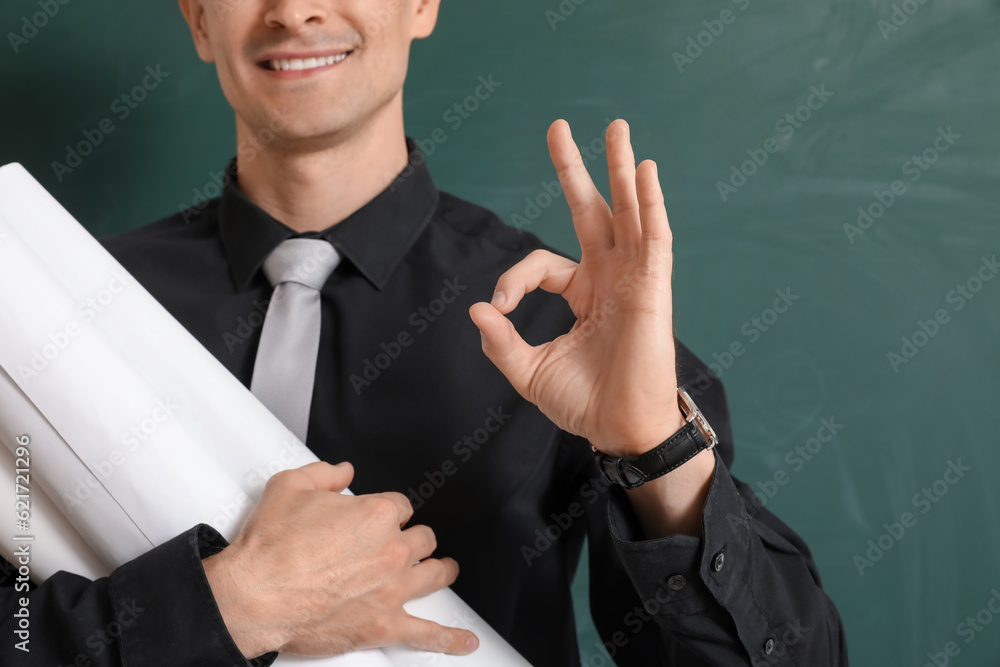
x: 632, y: 472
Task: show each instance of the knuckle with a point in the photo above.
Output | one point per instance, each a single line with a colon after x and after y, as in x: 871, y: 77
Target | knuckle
x: 380, y: 628
x: 565, y: 171
x: 382, y: 510
x: 444, y: 574
x: 397, y: 498
x: 445, y: 639
x: 585, y: 207
x: 427, y: 537
x: 397, y: 553
x: 539, y: 254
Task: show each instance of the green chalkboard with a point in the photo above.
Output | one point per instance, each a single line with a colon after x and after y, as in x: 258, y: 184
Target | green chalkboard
x: 836, y: 161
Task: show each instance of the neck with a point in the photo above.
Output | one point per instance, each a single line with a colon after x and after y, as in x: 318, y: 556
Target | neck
x: 311, y: 187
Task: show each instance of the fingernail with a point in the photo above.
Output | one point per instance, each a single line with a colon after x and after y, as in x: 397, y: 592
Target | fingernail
x: 471, y: 644
x: 498, y: 299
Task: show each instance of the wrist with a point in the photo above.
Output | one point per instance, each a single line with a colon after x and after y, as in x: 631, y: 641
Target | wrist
x: 251, y: 634
x: 647, y: 436
x: 633, y: 470
x: 674, y: 504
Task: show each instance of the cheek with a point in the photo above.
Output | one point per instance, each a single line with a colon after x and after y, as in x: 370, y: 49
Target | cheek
x: 232, y: 31
x: 391, y: 55
x: 228, y: 79
x: 233, y: 80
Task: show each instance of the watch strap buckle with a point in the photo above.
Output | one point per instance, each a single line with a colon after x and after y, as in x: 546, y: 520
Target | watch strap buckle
x: 619, y: 471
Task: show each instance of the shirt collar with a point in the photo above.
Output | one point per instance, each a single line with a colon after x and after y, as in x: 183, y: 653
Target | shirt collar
x: 374, y: 238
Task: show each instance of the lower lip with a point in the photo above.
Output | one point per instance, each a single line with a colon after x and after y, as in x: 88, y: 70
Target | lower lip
x: 302, y: 73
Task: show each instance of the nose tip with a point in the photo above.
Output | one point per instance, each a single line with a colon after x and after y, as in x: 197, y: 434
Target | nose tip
x: 294, y: 15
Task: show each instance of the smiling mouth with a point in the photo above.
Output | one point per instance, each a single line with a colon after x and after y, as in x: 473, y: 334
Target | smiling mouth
x: 300, y: 64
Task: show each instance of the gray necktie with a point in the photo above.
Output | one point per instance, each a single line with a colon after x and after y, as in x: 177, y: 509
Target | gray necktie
x: 285, y: 367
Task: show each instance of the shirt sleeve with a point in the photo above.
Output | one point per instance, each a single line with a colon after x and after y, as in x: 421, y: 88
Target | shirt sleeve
x: 154, y: 611
x: 745, y: 593
x: 748, y: 592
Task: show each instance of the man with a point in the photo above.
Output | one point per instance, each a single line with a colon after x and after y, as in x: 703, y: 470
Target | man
x: 443, y: 438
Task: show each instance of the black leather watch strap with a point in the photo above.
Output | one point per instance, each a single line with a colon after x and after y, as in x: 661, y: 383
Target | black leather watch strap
x: 631, y: 472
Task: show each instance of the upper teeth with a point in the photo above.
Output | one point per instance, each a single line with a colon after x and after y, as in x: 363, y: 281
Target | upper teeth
x: 306, y: 63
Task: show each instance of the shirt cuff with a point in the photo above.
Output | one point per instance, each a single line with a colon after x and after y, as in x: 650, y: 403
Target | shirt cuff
x: 165, y: 611
x: 682, y: 574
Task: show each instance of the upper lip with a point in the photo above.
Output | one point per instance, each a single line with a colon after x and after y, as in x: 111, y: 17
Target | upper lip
x: 302, y: 55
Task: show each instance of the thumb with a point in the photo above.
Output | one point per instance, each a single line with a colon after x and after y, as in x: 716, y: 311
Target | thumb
x: 504, y: 346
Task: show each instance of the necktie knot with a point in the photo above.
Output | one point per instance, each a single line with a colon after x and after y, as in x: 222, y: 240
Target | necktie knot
x: 307, y: 262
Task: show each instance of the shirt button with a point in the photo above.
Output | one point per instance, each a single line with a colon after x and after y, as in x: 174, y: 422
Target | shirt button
x: 768, y: 646
x: 676, y: 582
x: 719, y: 561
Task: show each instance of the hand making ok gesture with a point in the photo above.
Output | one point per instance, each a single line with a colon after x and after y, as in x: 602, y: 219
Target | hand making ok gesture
x: 611, y: 378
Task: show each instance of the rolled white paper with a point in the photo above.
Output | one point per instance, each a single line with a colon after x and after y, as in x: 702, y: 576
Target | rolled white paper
x: 139, y: 432
x: 55, y: 544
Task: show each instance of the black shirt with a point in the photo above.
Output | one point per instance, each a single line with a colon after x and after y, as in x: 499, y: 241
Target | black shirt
x: 404, y: 392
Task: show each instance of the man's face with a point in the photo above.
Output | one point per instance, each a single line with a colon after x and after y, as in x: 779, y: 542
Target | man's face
x: 317, y: 66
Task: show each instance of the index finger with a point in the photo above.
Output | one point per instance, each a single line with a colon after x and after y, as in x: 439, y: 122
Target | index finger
x: 540, y: 268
